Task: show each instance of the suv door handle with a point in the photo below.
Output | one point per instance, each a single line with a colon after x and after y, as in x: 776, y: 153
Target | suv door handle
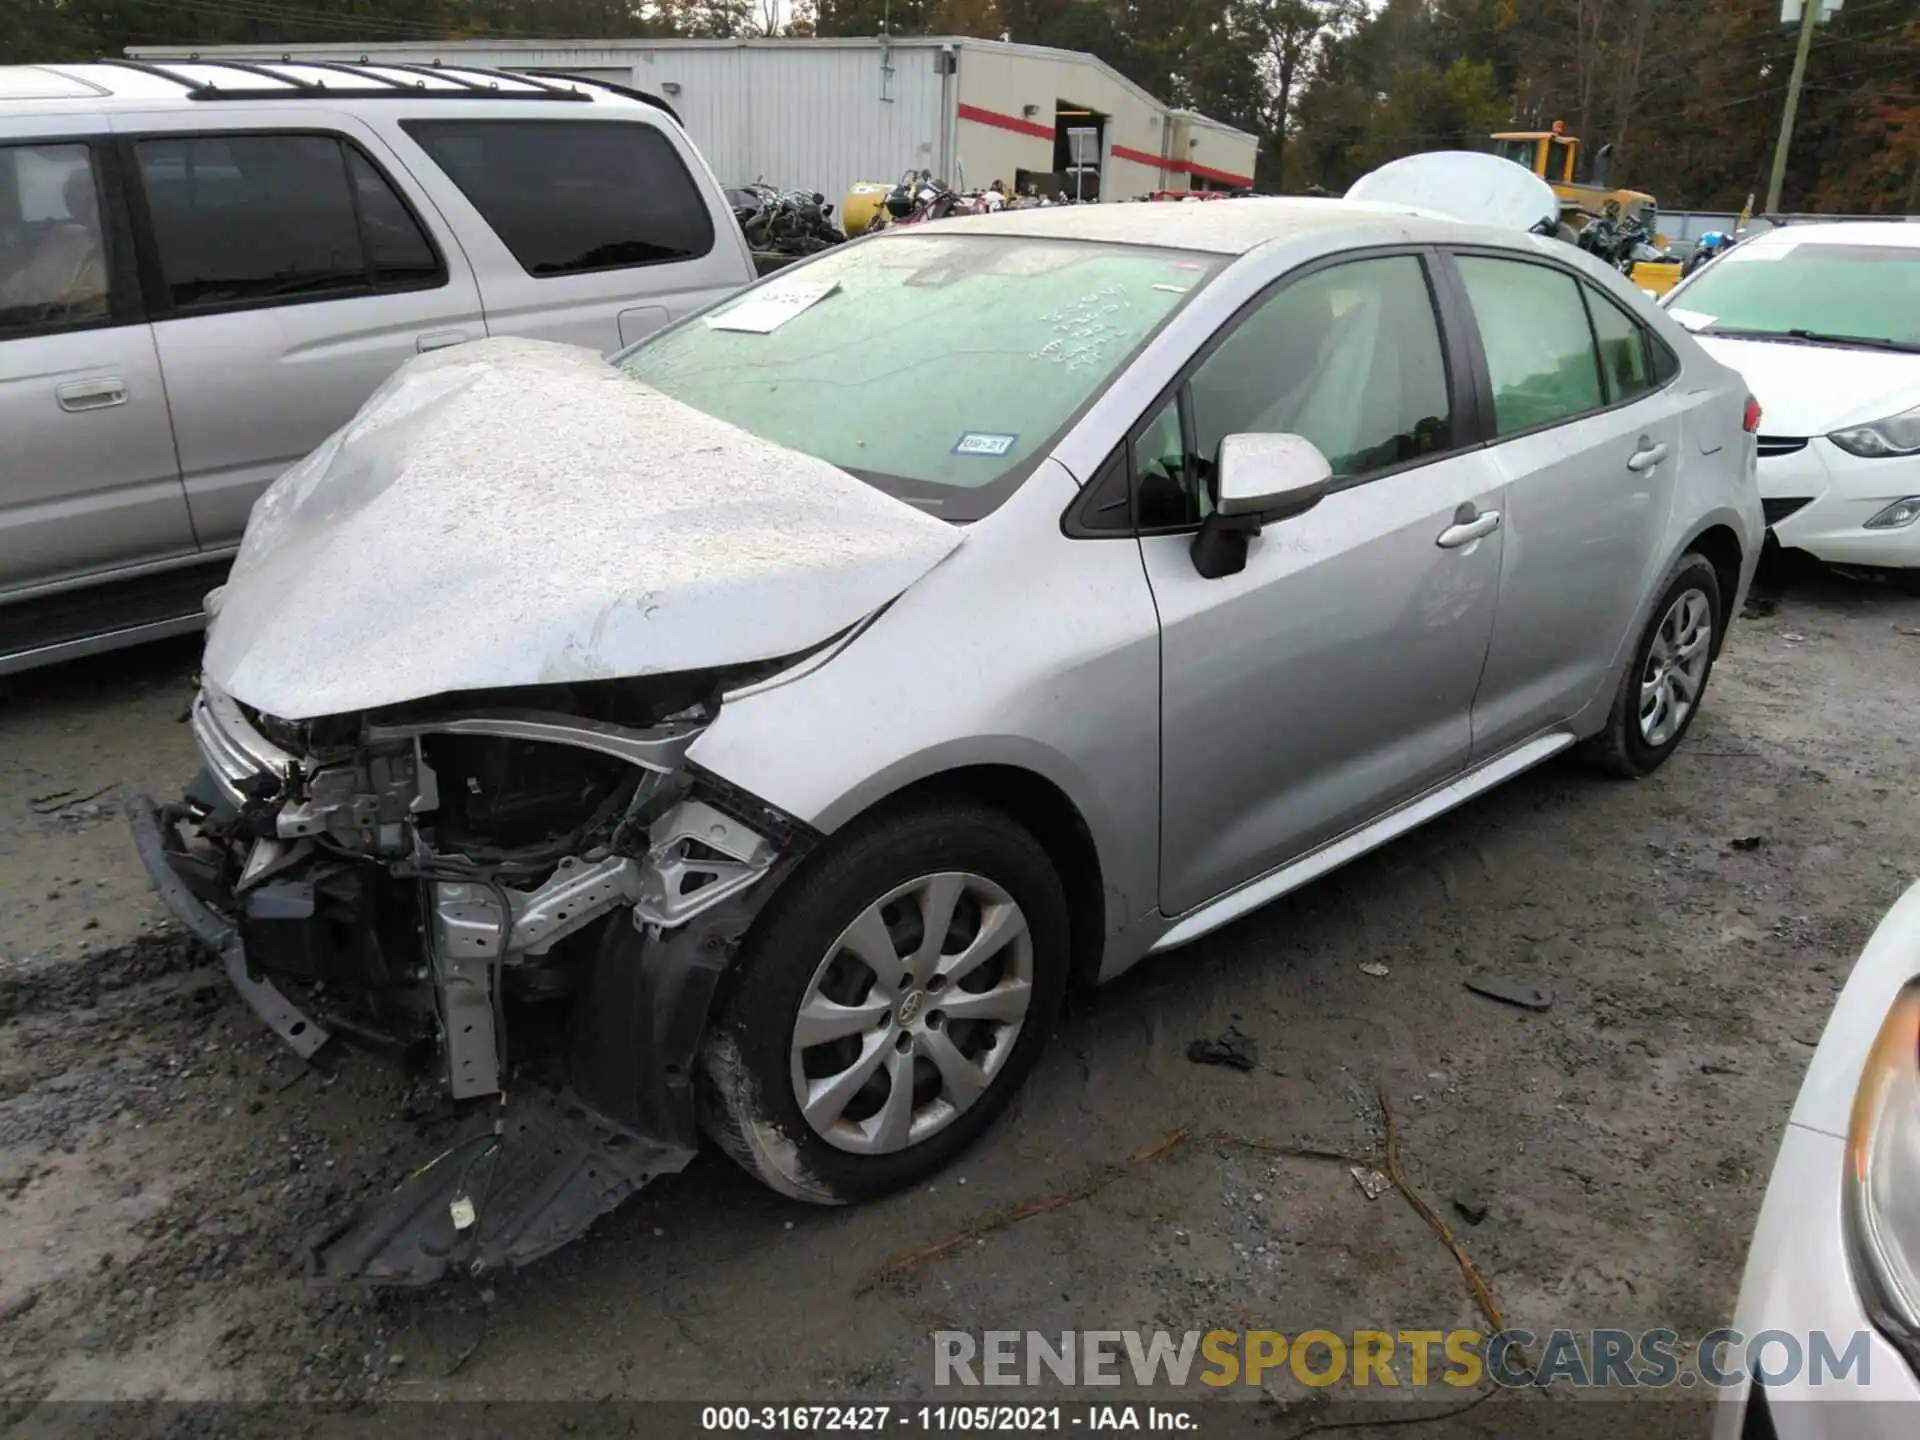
x: 1468, y: 526
x: 91, y: 394
x: 440, y: 340
x: 1646, y: 457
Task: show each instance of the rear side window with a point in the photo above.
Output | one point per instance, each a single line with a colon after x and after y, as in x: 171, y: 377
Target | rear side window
x: 569, y: 196
x: 1539, y: 347
x: 1624, y: 362
x: 243, y: 220
x: 53, y: 246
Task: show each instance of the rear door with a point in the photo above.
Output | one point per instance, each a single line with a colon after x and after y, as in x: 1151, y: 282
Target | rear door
x: 289, y: 271
x: 88, y: 479
x: 593, y: 231
x: 1587, y: 437
x: 1333, y: 677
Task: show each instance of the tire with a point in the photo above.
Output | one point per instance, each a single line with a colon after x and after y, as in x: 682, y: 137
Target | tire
x: 806, y: 950
x: 1636, y: 743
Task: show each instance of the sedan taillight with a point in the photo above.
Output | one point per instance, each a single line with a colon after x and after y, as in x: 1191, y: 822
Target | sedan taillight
x: 1751, y: 423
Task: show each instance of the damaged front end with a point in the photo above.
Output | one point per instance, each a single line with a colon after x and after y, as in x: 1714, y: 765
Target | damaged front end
x: 533, y: 891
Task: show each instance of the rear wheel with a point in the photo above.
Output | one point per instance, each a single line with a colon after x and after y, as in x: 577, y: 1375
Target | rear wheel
x: 888, y: 1004
x: 1660, y: 692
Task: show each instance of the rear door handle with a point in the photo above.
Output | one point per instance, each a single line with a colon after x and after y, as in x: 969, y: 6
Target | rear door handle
x: 98, y: 394
x: 1646, y: 457
x: 1465, y: 532
x: 441, y: 339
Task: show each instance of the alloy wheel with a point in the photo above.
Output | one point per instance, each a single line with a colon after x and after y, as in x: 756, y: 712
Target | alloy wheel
x: 912, y: 1013
x: 1676, y: 667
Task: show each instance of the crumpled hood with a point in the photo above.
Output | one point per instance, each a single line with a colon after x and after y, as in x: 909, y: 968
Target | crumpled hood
x: 1808, y: 390
x: 514, y: 512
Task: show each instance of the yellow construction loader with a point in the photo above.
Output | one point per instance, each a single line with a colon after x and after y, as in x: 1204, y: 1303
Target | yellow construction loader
x: 1554, y: 156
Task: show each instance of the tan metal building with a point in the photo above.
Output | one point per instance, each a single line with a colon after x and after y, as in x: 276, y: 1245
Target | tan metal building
x: 822, y: 114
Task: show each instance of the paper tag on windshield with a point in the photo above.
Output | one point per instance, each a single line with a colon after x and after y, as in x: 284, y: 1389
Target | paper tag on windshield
x: 1749, y: 253
x: 1692, y: 319
x: 989, y: 443
x: 766, y: 310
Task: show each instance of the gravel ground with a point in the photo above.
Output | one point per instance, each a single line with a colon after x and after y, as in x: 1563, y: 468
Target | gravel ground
x: 161, y: 1157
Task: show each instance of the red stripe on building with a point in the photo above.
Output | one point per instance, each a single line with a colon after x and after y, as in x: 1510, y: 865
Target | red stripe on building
x: 1224, y: 177
x: 1006, y: 122
x: 1139, y: 157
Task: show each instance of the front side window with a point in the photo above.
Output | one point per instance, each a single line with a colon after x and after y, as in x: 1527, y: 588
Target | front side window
x: 1539, y: 347
x: 1348, y: 357
x: 569, y: 196
x: 941, y: 368
x: 53, y: 253
x: 243, y: 219
x: 1773, y: 287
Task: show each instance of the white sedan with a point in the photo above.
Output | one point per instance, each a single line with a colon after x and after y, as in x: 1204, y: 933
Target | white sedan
x: 1835, y: 1262
x: 1824, y: 323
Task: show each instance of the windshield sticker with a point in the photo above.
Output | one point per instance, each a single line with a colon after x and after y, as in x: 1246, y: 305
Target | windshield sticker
x: 1174, y: 289
x: 1758, y: 252
x: 763, y: 311
x: 1692, y: 319
x: 987, y: 443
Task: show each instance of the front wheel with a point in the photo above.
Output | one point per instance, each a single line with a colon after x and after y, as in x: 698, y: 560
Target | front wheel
x: 887, y: 1004
x: 1660, y: 692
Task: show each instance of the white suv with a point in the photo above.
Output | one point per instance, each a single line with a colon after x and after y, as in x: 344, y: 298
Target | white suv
x: 205, y: 269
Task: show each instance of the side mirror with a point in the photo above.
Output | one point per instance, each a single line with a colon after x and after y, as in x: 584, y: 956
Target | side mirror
x: 1258, y: 480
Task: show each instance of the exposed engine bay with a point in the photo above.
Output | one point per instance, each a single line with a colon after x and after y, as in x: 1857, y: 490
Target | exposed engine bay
x: 530, y: 892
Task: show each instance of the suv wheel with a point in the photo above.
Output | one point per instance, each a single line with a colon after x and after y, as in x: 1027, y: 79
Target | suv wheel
x: 1661, y: 691
x: 887, y: 1004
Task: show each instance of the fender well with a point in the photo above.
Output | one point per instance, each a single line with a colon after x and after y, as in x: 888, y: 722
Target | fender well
x: 1053, y: 819
x: 1721, y: 547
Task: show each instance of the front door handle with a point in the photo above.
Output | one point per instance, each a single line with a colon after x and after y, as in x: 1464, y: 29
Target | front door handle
x: 1646, y: 457
x: 91, y: 394
x: 1468, y: 528
x: 441, y: 339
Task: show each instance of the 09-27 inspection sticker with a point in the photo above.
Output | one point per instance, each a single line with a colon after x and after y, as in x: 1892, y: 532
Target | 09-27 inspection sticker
x: 987, y: 443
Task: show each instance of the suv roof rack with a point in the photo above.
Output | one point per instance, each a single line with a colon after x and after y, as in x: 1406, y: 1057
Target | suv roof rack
x: 645, y: 97
x: 370, y: 84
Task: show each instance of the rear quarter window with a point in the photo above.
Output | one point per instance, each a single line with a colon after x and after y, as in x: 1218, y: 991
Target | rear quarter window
x: 568, y: 197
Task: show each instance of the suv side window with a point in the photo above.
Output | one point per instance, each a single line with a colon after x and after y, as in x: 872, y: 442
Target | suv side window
x: 568, y: 196
x: 1349, y: 357
x: 1624, y: 350
x: 242, y: 219
x: 1541, y: 360
x: 53, y: 244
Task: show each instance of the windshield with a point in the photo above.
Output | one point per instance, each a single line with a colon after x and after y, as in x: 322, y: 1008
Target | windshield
x: 1521, y: 152
x: 1869, y: 291
x: 939, y: 367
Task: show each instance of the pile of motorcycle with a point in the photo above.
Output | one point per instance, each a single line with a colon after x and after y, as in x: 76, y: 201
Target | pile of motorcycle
x: 1617, y: 242
x: 919, y: 197
x: 784, y: 222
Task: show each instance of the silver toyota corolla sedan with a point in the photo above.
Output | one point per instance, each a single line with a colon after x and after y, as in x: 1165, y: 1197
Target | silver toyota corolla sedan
x: 762, y: 732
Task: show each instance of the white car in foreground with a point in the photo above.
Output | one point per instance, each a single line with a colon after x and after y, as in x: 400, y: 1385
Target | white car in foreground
x: 1836, y: 1254
x: 1824, y: 323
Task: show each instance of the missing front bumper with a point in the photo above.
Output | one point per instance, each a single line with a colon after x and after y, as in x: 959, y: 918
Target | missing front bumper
x: 153, y: 829
x: 532, y: 1167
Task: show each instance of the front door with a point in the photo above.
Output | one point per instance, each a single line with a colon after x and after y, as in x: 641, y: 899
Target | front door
x: 295, y: 278
x: 1333, y: 677
x: 1588, y: 440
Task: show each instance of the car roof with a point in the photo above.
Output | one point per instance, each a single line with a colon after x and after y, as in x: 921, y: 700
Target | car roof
x: 144, y: 84
x: 1222, y: 227
x: 1839, y: 232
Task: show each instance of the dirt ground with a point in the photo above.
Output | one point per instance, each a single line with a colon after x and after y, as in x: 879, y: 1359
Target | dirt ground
x: 161, y: 1156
